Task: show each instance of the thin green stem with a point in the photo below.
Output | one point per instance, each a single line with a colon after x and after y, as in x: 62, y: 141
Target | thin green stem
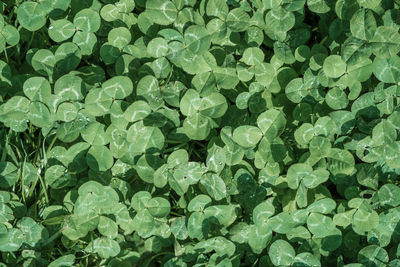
x: 169, y: 141
x: 176, y: 214
x: 28, y: 137
x: 4, y: 154
x: 30, y: 41
x: 53, y: 237
x: 46, y: 196
x: 197, y: 154
x: 157, y: 255
x: 174, y: 148
x: 18, y: 153
x: 23, y: 181
x: 51, y: 144
x: 5, y: 54
x: 37, y: 150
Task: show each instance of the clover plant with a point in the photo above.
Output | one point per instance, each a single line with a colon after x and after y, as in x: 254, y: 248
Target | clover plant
x: 200, y: 133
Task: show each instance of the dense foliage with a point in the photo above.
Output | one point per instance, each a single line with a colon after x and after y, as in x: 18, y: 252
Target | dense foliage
x: 200, y: 133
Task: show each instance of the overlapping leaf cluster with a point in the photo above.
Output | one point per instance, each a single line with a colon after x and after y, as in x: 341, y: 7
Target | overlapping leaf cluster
x: 200, y: 133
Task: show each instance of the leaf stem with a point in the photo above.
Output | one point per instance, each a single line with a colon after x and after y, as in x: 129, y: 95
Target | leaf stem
x: 155, y: 256
x: 44, y: 188
x: 30, y: 41
x: 53, y: 237
x: 5, y: 54
x: 169, y: 141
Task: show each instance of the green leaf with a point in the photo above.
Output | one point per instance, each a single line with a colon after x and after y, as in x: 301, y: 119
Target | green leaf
x: 225, y: 214
x: 158, y: 207
x: 158, y: 47
x: 392, y: 158
x: 119, y: 37
x: 97, y: 102
x: 304, y: 134
x: 271, y: 122
x: 94, y: 134
x: 364, y: 221
x: 144, y: 139
x: 15, y: 239
x: 86, y: 42
x: 363, y: 24
x: 247, y: 136
x: 262, y: 212
x: 216, y: 159
x: 44, y: 61
x: 118, y: 87
x: 104, y: 246
x: 369, y: 3
x: 57, y: 177
x: 179, y: 229
x: 197, y: 127
x: 320, y: 225
x: 296, y: 173
x: 316, y: 178
x: 295, y: 90
x: 161, y: 12
x: 61, y: 30
x: 217, y: 8
x: 340, y: 162
x: 31, y: 15
x: 373, y: 255
x: 199, y: 203
x: 213, y: 106
x: 281, y: 253
x: 306, y: 259
x: 334, y: 66
x: 238, y: 20
x: 214, y: 185
x: 138, y: 110
x: 66, y: 112
x: 279, y: 21
x: 33, y: 232
x: 110, y: 12
x: 281, y: 223
x: 386, y: 42
x: 253, y: 56
x: 149, y: 90
x: 320, y: 146
x: 336, y: 99
x: 324, y: 206
x: 70, y: 87
x: 66, y: 260
x: 197, y: 39
x: 263, y: 73
x: 140, y: 199
x: 99, y: 158
x: 259, y: 238
x: 387, y: 69
x: 11, y: 35
x: 87, y: 20
x: 194, y: 225
x: 388, y: 195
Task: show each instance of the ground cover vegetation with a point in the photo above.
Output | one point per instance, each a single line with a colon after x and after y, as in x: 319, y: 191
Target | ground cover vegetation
x: 199, y: 133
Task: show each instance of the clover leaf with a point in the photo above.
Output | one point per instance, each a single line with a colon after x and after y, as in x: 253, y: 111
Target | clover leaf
x: 188, y: 133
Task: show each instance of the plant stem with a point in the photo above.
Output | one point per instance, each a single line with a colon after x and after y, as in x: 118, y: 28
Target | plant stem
x: 155, y: 256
